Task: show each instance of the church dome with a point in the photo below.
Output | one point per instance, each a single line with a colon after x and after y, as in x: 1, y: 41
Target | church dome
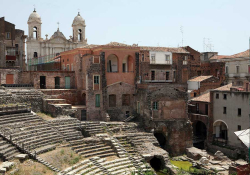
x: 34, y: 17
x: 78, y: 20
x: 57, y: 34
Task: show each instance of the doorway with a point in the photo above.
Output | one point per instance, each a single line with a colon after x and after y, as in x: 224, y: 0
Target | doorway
x: 83, y: 115
x: 57, y: 82
x: 42, y: 82
x: 67, y: 82
x: 156, y: 163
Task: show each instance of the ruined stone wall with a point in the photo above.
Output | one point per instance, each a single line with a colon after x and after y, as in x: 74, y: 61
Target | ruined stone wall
x: 33, y: 77
x: 178, y: 134
x: 93, y: 112
x: 5, y: 72
x: 117, y: 112
x: 171, y: 101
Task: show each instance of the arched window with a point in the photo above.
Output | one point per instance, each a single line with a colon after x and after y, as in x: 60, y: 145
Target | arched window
x: 35, y: 32
x: 79, y: 35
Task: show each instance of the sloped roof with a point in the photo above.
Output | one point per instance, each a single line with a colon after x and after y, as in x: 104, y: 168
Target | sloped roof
x: 225, y: 88
x: 244, y: 136
x: 203, y: 98
x: 201, y: 78
x: 165, y: 49
x: 238, y: 55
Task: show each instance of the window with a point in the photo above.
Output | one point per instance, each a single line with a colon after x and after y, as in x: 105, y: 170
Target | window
x: 237, y: 69
x: 8, y: 35
x: 152, y: 75
x: 197, y: 107
x: 35, y: 32
x: 239, y: 111
x: 79, y: 35
x: 226, y: 69
x: 167, y: 59
x: 112, y: 100
x: 35, y: 55
x: 239, y: 127
x: 217, y: 96
x: 142, y: 57
x: 72, y: 68
x: 138, y: 107
x: 125, y: 99
x: 185, y: 60
x: 63, y: 67
x: 67, y: 59
x: 123, y: 67
x: 224, y: 96
x: 153, y: 58
x: 68, y: 67
x: 195, y: 94
x: 224, y: 110
x: 199, y: 73
x: 167, y: 75
x: 155, y: 105
x: 97, y: 100
x: 174, y: 75
x: 96, y: 79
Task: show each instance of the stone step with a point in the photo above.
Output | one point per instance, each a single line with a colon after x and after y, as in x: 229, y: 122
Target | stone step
x: 86, y: 147
x: 89, y: 151
x: 104, y: 153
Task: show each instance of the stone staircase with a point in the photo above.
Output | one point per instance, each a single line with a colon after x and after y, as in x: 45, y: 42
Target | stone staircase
x: 137, y: 139
x: 129, y: 118
x: 125, y: 142
x: 92, y: 128
x: 7, y: 151
x: 69, y: 128
x: 92, y: 149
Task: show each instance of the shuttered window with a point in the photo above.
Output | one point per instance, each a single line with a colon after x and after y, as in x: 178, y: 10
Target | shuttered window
x: 97, y: 100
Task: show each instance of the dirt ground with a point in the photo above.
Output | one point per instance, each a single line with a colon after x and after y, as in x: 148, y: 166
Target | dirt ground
x: 61, y: 158
x: 29, y: 167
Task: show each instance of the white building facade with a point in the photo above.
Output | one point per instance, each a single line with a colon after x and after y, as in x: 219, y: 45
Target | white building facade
x: 50, y: 47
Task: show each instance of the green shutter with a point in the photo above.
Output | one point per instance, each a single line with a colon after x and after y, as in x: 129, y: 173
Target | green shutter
x: 67, y: 82
x: 97, y: 100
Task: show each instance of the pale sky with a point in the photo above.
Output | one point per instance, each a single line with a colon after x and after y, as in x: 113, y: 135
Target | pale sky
x: 145, y: 22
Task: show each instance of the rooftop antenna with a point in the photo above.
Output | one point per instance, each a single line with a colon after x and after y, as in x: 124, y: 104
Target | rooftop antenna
x: 181, y: 29
x: 207, y: 45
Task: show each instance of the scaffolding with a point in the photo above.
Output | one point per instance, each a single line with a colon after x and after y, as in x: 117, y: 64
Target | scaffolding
x: 47, y: 62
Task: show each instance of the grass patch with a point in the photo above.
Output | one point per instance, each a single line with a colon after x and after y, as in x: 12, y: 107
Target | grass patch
x: 45, y: 116
x: 184, y: 165
x: 61, y: 157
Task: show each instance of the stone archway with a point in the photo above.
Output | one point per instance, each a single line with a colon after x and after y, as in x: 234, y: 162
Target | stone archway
x: 199, y: 134
x: 112, y: 63
x: 156, y: 163
x: 220, y: 130
x: 161, y: 137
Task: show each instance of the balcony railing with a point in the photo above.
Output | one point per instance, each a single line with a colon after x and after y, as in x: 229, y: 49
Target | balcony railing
x: 169, y: 62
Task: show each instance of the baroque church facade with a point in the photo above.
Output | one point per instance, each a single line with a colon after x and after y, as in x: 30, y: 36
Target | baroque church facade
x: 50, y: 47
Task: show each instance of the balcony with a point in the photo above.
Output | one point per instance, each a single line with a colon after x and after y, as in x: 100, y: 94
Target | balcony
x: 157, y: 81
x: 161, y: 62
x: 10, y: 58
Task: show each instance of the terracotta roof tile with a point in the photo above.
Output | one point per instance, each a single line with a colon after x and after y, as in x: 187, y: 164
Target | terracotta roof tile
x: 238, y: 55
x: 165, y: 49
x: 203, y: 98
x: 201, y: 78
x: 225, y: 88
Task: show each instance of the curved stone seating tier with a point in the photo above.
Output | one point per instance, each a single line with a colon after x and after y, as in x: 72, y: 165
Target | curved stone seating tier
x: 92, y: 128
x: 30, y: 131
x: 69, y: 128
x: 97, y: 166
x: 92, y: 149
